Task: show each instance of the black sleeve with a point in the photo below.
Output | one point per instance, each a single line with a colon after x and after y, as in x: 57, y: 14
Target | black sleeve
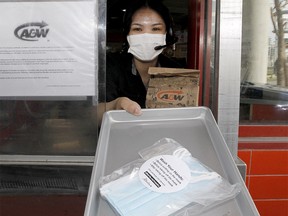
x: 112, y: 76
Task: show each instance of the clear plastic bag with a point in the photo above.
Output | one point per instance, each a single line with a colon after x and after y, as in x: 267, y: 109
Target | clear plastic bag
x: 166, y: 180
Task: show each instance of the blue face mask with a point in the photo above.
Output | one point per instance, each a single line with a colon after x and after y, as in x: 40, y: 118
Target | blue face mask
x: 128, y: 196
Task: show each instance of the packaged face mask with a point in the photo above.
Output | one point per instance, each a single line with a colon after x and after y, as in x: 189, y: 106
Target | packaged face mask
x: 142, y: 45
x: 165, y: 181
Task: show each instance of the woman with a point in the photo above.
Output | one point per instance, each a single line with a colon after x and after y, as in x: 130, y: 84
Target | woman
x: 147, y: 24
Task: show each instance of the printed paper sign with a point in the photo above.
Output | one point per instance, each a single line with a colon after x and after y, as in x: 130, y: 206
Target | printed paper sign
x: 165, y: 174
x: 47, y: 48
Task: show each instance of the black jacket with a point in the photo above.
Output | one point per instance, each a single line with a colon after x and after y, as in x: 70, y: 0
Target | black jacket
x: 120, y: 82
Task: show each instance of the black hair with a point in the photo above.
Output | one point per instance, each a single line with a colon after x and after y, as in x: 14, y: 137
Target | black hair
x: 155, y: 5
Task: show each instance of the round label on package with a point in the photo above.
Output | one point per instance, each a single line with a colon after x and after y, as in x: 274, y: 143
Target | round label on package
x: 165, y: 174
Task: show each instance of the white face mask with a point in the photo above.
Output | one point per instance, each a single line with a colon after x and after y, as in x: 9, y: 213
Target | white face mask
x: 142, y: 45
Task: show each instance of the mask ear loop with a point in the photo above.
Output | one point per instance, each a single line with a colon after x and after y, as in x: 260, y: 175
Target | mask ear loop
x: 203, y: 173
x: 181, y: 153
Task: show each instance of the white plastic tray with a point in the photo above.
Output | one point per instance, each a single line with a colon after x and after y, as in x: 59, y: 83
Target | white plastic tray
x: 123, y: 135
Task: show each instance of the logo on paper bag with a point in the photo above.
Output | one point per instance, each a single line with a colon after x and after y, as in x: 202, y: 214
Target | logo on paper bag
x: 171, y: 95
x: 32, y: 31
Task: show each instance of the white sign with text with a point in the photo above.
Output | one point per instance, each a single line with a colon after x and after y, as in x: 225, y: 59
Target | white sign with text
x: 47, y: 48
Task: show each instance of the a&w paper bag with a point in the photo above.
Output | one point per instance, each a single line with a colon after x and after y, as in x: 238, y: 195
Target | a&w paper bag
x: 172, y: 87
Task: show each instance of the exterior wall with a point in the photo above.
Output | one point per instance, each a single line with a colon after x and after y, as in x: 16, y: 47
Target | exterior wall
x: 45, y: 205
x: 267, y: 167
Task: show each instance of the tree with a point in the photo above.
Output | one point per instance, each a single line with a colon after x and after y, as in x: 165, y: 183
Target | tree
x: 279, y: 23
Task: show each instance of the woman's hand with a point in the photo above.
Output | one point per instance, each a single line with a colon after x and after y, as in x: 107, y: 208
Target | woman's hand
x: 130, y: 106
x: 120, y: 103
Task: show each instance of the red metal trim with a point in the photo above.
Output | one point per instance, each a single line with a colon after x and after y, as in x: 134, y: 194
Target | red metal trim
x: 196, y: 39
x: 201, y: 51
x: 193, y: 34
x: 207, y: 54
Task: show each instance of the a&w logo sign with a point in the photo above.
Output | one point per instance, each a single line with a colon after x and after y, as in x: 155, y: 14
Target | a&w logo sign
x: 32, y: 31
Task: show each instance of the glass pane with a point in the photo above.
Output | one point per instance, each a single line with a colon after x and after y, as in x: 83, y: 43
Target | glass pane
x: 40, y: 115
x: 264, y: 71
x: 47, y: 127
